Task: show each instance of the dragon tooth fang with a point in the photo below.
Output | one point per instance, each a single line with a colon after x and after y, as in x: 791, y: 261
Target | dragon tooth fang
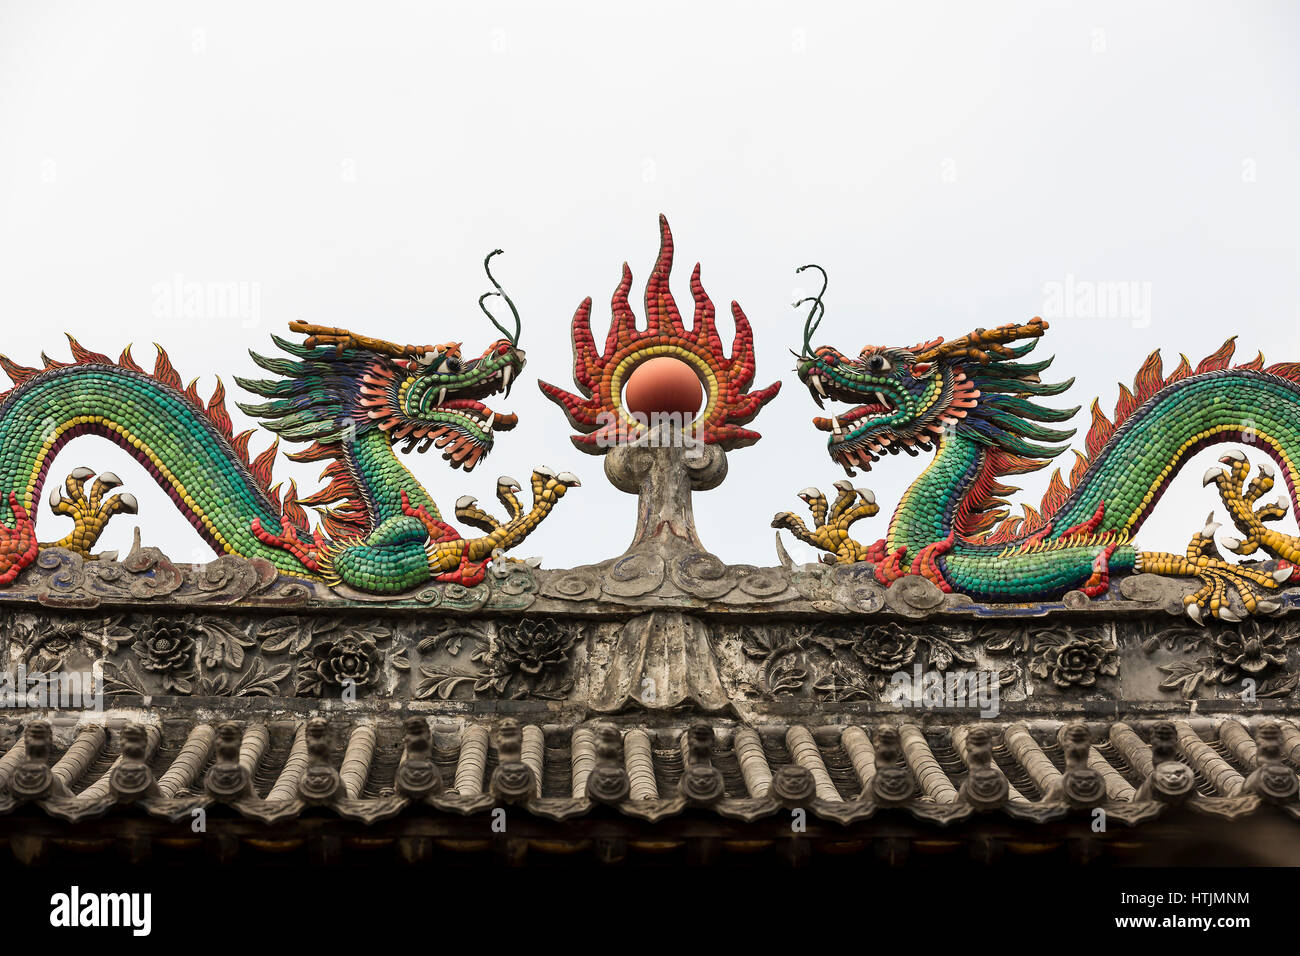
x: 442, y: 396
x: 817, y: 381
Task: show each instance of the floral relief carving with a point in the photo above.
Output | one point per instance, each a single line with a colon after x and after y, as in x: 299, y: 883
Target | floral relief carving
x: 1226, y: 656
x: 1072, y: 657
x: 524, y: 659
x: 837, y: 663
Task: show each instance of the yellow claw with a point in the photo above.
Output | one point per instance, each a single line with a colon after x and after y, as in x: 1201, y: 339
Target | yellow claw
x: 89, y: 513
x: 831, y: 522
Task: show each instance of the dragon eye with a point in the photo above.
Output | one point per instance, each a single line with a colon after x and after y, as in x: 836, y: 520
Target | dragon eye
x: 452, y: 363
x: 878, y: 364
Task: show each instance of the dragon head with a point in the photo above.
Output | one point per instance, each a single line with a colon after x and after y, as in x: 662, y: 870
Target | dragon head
x: 421, y: 397
x: 908, y: 399
x: 435, y: 399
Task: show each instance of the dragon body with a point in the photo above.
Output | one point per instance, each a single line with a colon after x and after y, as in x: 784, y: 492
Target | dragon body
x: 350, y: 400
x: 976, y: 404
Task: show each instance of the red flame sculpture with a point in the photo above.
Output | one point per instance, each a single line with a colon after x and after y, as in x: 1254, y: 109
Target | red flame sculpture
x: 600, y: 413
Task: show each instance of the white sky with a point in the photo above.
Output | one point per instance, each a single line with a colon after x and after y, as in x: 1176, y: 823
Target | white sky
x: 352, y: 164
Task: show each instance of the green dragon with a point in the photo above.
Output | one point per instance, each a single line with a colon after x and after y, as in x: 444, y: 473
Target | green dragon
x: 349, y: 398
x: 976, y: 406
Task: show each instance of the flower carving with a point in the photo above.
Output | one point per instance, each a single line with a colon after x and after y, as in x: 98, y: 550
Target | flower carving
x: 167, y: 648
x: 348, y: 659
x: 1251, y: 651
x: 1230, y: 655
x: 1071, y: 657
x: 164, y: 647
x: 886, y: 649
x: 536, y: 653
x: 1077, y: 663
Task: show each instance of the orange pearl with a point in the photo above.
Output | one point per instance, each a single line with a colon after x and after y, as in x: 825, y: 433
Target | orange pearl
x: 663, y: 384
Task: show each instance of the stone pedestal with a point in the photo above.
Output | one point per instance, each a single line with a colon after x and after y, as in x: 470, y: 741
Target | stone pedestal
x: 662, y: 659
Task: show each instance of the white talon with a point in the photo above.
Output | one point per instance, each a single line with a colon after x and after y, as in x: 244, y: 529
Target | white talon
x: 1212, y: 475
x: 1282, y: 574
x: 1235, y: 454
x: 1267, y: 607
x: 1209, y: 529
x: 129, y: 505
x: 465, y: 501
x: 1282, y: 503
x: 505, y: 481
x: 109, y: 480
x: 546, y: 471
x: 1228, y: 614
x: 568, y: 478
x: 1232, y: 544
x: 81, y: 473
x: 1266, y: 469
x: 843, y: 485
x: 1194, y: 612
x: 867, y: 495
x: 56, y: 497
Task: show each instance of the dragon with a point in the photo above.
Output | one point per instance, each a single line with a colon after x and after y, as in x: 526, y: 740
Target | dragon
x: 350, y: 399
x: 976, y: 403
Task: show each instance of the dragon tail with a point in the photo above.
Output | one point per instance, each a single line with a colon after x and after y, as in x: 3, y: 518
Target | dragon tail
x: 186, y: 443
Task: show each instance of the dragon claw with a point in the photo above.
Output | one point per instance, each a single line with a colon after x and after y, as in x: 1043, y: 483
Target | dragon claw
x: 831, y: 523
x: 1252, y: 520
x: 90, y: 512
x: 464, y: 560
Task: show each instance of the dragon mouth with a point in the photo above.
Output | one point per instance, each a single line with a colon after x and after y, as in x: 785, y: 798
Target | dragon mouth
x: 464, y: 427
x: 840, y: 425
x: 851, y: 444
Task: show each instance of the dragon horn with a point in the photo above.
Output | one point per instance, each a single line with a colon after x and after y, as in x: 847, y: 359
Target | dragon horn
x: 342, y: 339
x: 487, y: 267
x: 982, y: 344
x: 817, y: 310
